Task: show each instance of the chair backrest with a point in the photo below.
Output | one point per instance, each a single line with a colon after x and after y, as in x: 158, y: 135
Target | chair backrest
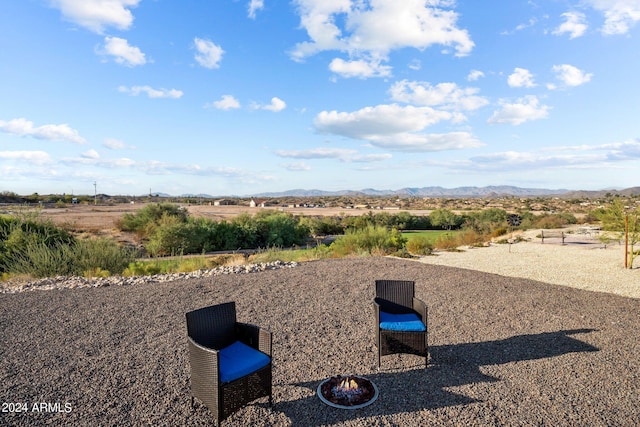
x: 400, y: 292
x: 213, y: 326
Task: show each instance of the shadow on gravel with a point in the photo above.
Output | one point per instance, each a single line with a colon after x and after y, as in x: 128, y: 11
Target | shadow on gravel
x: 451, y: 365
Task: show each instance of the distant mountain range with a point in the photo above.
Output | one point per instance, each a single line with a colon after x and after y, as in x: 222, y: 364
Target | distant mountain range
x: 490, y: 191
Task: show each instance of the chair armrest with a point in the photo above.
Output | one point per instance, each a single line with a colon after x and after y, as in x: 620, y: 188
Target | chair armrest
x: 420, y: 307
x: 205, y: 372
x: 255, y: 337
x: 376, y: 311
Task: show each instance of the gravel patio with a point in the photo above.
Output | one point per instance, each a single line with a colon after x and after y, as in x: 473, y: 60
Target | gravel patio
x: 503, y: 350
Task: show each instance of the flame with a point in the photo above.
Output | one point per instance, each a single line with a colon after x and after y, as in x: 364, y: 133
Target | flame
x: 349, y: 384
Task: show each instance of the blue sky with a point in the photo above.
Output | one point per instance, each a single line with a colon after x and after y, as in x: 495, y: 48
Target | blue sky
x: 238, y: 97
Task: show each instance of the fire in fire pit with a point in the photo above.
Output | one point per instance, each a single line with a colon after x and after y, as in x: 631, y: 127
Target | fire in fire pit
x: 349, y: 392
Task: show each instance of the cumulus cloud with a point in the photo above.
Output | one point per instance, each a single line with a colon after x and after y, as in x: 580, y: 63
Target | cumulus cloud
x: 254, y: 6
x: 619, y: 15
x: 276, y: 105
x: 96, y: 15
x: 570, y: 75
x: 24, y: 127
x: 34, y: 157
x: 523, y: 110
x: 122, y: 52
x: 359, y: 68
x: 521, y: 77
x: 475, y: 75
x: 574, y: 25
x: 91, y: 154
x: 394, y: 127
x: 444, y: 95
x: 369, y: 31
x: 209, y: 54
x: 151, y: 92
x: 227, y: 102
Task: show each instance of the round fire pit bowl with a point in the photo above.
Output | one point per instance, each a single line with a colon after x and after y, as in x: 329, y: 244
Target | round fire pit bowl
x: 347, y: 392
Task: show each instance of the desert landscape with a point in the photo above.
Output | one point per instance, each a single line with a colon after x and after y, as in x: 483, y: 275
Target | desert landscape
x: 525, y: 334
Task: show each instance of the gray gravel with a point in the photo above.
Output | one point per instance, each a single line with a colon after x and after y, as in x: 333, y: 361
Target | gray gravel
x: 504, y: 351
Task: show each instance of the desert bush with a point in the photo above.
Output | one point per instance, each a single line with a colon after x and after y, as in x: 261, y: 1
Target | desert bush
x: 499, y: 232
x: 150, y: 214
x: 37, y: 259
x: 369, y: 240
x: 420, y: 245
x: 470, y: 237
x: 446, y: 242
x: 100, y: 256
x: 172, y: 236
x: 550, y: 221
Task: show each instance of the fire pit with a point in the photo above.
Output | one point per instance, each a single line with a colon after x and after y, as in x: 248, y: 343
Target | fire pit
x: 348, y: 392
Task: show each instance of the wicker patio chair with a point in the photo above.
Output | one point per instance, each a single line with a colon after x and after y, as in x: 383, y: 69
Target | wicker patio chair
x: 230, y: 361
x: 400, y: 319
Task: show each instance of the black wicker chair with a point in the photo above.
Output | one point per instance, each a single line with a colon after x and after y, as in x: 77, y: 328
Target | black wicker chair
x: 400, y: 319
x: 230, y: 361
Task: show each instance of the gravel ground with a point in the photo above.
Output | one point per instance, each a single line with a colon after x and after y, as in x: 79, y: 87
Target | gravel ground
x: 582, y: 263
x: 503, y: 350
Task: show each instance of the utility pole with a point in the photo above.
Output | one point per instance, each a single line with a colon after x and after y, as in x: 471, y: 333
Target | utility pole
x: 95, y: 193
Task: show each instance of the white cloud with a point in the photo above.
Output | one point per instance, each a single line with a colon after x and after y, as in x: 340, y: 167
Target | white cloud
x: 276, y: 105
x: 370, y: 122
x: 520, y: 27
x: 24, y: 127
x: 317, y: 153
x: 122, y: 52
x: 620, y: 15
x: 415, y: 64
x: 151, y: 92
x: 445, y: 95
x: 570, y: 75
x: 96, y: 15
x: 475, y: 75
x: 370, y: 30
x: 574, y: 25
x: 228, y: 102
x: 394, y: 127
x: 584, y: 156
x: 209, y: 54
x: 524, y: 110
x: 91, y: 154
x: 114, y: 144
x: 254, y: 6
x: 521, y: 78
x: 342, y: 154
x: 422, y: 142
x: 296, y: 167
x: 34, y: 157
x: 359, y: 68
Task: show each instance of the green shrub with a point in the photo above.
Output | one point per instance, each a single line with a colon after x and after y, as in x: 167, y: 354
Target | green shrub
x: 100, y: 255
x: 150, y: 214
x: 374, y: 240
x: 420, y: 245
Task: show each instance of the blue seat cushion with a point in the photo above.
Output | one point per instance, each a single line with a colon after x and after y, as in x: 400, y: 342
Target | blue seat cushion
x: 238, y: 360
x: 409, y: 322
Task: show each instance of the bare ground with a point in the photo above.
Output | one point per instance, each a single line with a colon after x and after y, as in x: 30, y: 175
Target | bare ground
x: 503, y: 351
